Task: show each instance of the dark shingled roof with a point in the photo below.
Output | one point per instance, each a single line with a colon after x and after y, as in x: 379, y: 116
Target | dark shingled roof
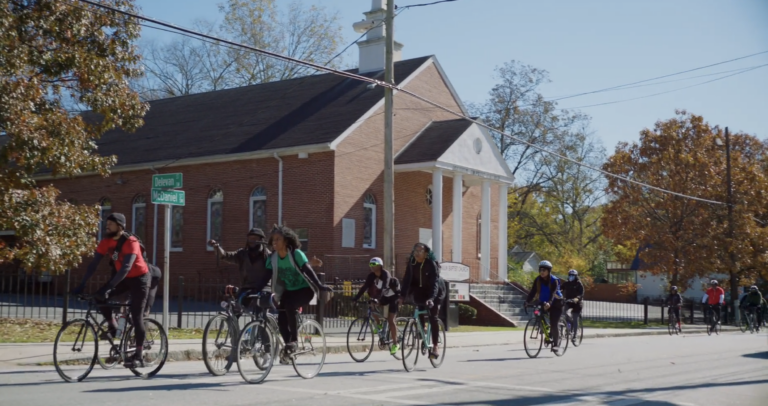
x: 432, y: 143
x: 289, y: 113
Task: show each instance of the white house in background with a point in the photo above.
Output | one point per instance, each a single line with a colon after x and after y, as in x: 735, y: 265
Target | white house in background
x: 657, y: 286
x: 529, y: 259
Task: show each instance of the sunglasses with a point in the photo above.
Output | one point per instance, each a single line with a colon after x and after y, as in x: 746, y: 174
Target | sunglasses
x: 543, y: 270
x: 372, y: 264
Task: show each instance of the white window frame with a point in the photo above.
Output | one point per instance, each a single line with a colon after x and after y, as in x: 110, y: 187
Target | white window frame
x: 254, y: 199
x: 138, y: 202
x: 372, y: 206
x: 101, y: 213
x: 217, y: 198
x: 429, y: 196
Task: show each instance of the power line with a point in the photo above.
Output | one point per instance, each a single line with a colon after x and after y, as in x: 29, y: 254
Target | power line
x: 412, y: 94
x: 668, y: 91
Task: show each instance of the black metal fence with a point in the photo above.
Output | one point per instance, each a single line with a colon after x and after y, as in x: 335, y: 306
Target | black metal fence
x: 650, y: 312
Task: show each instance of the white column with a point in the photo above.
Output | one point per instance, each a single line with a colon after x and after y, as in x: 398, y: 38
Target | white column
x: 458, y: 192
x: 485, y: 231
x: 503, y: 241
x: 437, y: 213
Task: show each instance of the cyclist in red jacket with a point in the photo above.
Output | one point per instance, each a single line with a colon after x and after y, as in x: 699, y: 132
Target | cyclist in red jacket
x: 714, y: 297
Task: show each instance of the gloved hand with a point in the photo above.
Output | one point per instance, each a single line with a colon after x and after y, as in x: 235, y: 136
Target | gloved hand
x: 430, y: 304
x: 102, y: 294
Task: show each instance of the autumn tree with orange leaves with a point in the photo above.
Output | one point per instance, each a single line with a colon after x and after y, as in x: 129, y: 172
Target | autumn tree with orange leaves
x: 684, y: 238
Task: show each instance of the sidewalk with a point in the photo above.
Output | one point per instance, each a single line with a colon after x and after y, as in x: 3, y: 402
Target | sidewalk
x: 190, y: 350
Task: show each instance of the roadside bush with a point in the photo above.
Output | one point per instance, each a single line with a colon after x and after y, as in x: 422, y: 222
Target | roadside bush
x: 466, y: 314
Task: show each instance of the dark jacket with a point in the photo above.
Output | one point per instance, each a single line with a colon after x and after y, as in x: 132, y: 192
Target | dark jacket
x: 251, y: 271
x: 574, y: 290
x: 554, y: 289
x: 421, y: 280
x: 675, y: 299
x: 382, y: 284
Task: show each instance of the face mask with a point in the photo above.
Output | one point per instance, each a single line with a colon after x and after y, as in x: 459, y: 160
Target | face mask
x: 252, y: 244
x: 572, y: 278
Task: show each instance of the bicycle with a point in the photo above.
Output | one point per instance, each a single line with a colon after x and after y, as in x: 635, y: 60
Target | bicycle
x: 748, y: 321
x: 673, y: 327
x: 218, y: 356
x: 712, y: 321
x: 414, y: 333
x: 539, y: 326
x: 575, y: 327
x: 365, y: 324
x: 251, y: 343
x: 73, y: 340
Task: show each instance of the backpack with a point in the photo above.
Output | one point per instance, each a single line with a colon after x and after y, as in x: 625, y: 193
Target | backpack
x: 154, y: 271
x: 394, y: 284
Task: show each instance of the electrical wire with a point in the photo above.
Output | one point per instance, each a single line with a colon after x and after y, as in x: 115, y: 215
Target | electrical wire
x: 412, y: 94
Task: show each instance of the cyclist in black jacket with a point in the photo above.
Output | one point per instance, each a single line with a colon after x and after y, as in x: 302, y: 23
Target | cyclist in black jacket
x: 385, y: 290
x: 675, y: 300
x: 574, y: 293
x: 422, y: 281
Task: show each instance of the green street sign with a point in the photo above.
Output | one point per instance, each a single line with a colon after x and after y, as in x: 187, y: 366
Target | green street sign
x: 167, y: 181
x: 171, y: 197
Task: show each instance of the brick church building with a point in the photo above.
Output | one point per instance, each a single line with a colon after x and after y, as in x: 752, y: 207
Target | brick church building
x: 309, y: 153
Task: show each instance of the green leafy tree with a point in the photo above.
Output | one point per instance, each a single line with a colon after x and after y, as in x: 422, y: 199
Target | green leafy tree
x: 55, y: 54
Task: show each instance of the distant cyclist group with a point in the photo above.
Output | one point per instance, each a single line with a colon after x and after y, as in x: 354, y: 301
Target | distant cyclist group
x: 278, y: 278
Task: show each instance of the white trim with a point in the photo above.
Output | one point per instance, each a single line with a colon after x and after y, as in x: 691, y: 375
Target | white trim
x: 485, y: 231
x: 495, y: 149
x: 176, y: 249
x: 314, y: 148
x: 373, y: 225
x: 430, y: 166
x: 437, y: 213
x: 503, y: 236
x: 208, y: 215
x: 412, y: 140
x: 458, y: 195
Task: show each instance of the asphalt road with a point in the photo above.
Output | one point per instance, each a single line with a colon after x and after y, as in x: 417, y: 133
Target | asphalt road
x: 730, y: 369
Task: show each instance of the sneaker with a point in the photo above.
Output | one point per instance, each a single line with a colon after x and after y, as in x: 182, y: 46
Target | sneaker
x: 136, y: 361
x: 284, y: 358
x: 265, y: 359
x: 393, y: 349
x: 434, y: 354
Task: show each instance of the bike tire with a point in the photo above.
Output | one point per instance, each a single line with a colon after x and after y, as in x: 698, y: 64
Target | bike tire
x: 672, y: 326
x: 563, y: 337
x: 744, y: 323
x: 311, y: 343
x: 217, y: 361
x: 84, y: 328
x: 358, y: 333
x: 112, y: 356
x: 442, y: 343
x: 251, y: 348
x: 578, y: 335
x: 411, y: 345
x: 531, y: 335
x: 400, y: 323
x: 155, y: 338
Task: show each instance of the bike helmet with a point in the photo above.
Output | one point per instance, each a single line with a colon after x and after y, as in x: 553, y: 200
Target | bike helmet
x: 545, y: 264
x: 573, y: 272
x: 753, y: 288
x: 673, y: 288
x: 713, y: 282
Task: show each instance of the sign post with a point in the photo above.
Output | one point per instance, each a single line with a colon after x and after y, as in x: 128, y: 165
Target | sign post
x: 161, y: 194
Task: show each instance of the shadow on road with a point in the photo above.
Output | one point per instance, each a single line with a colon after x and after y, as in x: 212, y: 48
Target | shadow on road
x: 497, y: 359
x: 360, y: 373
x: 170, y: 387
x: 758, y: 355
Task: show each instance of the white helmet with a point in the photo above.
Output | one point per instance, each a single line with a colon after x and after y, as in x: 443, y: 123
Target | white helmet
x: 573, y: 272
x: 545, y: 264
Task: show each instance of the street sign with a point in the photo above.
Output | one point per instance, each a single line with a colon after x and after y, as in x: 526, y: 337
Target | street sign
x: 170, y: 197
x: 168, y: 181
x: 458, y: 292
x: 454, y: 271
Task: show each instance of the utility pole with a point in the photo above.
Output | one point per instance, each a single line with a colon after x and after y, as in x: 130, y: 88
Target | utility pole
x: 732, y: 253
x: 389, y: 155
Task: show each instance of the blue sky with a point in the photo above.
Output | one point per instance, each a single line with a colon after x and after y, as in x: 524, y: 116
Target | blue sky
x: 585, y: 45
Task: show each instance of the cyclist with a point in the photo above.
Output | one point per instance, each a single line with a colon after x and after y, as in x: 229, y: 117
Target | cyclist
x: 574, y: 295
x: 547, y: 287
x: 132, y: 275
x: 675, y: 300
x: 294, y: 282
x: 715, y: 297
x: 422, y: 281
x: 386, y: 290
x: 252, y: 261
x: 753, y: 302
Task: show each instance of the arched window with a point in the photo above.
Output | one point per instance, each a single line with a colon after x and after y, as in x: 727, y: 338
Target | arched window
x: 215, y: 216
x: 369, y: 221
x: 139, y: 217
x: 429, y: 196
x: 106, y: 210
x: 258, y: 208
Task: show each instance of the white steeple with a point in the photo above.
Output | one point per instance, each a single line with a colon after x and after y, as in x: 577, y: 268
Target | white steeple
x: 373, y: 48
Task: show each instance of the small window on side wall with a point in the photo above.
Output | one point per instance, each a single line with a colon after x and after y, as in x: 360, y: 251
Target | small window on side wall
x: 258, y: 208
x: 215, y: 216
x: 369, y: 222
x: 105, y: 211
x: 303, y: 234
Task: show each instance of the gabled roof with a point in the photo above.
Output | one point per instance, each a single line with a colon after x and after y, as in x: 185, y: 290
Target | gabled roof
x: 433, y: 141
x: 521, y: 256
x: 291, y: 113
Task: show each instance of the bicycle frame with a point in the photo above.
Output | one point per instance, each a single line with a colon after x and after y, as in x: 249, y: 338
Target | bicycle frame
x: 416, y: 318
x: 384, y: 332
x: 538, y: 314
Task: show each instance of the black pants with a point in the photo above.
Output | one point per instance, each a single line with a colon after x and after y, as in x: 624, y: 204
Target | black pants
x: 151, y: 296
x: 758, y: 314
x: 676, y: 311
x: 715, y: 309
x: 433, y: 312
x: 138, y: 288
x: 575, y: 308
x: 286, y: 320
x: 555, y: 312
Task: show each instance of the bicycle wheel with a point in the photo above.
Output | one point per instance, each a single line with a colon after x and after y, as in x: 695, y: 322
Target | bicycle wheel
x: 441, y: 340
x: 255, y: 352
x: 217, y: 345
x: 752, y: 322
x: 155, y: 349
x: 672, y: 326
x: 744, y: 323
x: 310, y: 353
x: 533, y: 334
x: 578, y: 332
x: 411, y: 345
x: 360, y: 333
x: 109, y: 355
x: 75, y: 350
x: 563, y: 337
x: 400, y: 323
